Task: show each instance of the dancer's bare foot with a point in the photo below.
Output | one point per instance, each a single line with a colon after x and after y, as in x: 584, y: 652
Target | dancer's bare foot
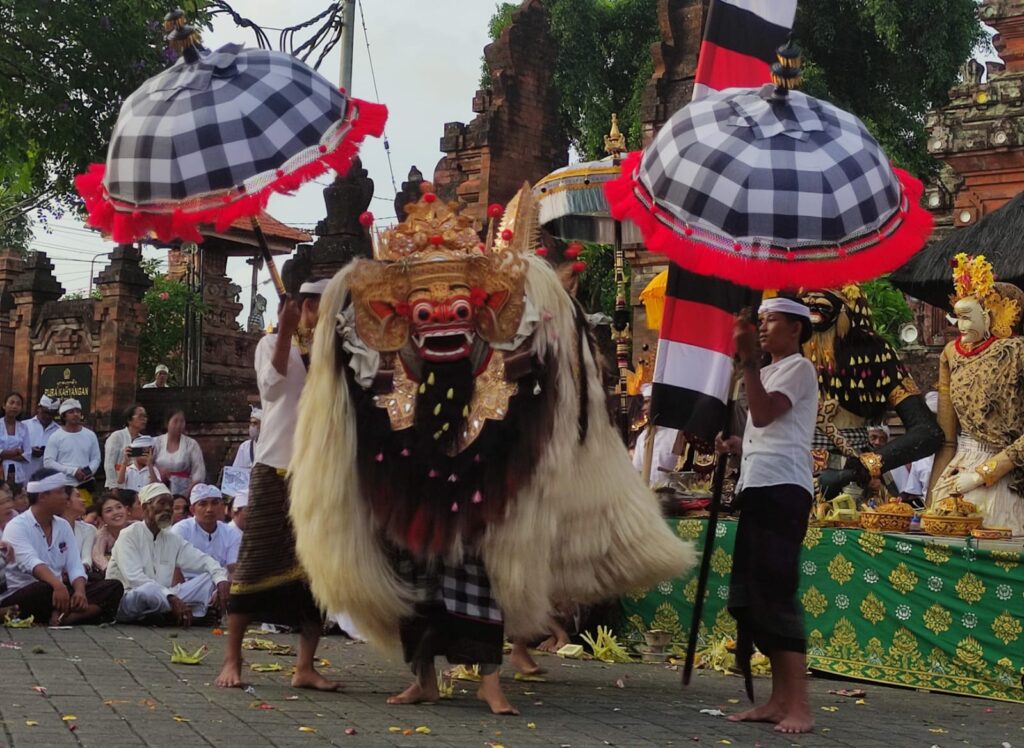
x: 490, y: 692
x: 230, y: 675
x: 11, y: 611
x: 554, y: 642
x: 795, y: 721
x: 416, y: 694
x: 314, y: 680
x: 521, y: 659
x: 769, y: 712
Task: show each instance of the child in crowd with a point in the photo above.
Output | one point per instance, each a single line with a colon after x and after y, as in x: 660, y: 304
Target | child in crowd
x: 20, y: 497
x: 114, y: 517
x: 7, y: 511
x: 138, y: 469
x: 180, y: 510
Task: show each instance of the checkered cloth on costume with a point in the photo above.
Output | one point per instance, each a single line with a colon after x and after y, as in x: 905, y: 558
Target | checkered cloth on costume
x: 234, y: 118
x: 857, y: 439
x: 718, y: 167
x: 464, y: 588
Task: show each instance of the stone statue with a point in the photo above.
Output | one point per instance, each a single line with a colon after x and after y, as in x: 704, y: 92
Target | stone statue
x: 981, y: 398
x: 255, y: 323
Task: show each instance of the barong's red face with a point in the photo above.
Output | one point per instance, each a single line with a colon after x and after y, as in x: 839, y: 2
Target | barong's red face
x: 442, y: 317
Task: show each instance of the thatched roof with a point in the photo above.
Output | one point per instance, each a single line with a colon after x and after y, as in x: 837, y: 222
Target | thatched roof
x: 999, y: 236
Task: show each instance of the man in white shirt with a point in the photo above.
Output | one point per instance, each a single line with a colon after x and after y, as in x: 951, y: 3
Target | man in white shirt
x: 73, y: 450
x: 144, y: 559
x: 269, y: 585
x: 85, y: 534
x: 774, y: 495
x: 160, y: 377
x: 40, y: 427
x: 246, y: 454
x: 45, y: 554
x: 206, y: 530
x: 239, y: 505
x: 663, y: 459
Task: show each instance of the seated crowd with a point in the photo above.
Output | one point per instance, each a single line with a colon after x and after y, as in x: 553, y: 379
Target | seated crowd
x: 136, y: 553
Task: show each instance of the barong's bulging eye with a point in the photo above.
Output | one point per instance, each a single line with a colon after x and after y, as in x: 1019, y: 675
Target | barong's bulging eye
x: 423, y: 312
x: 461, y: 309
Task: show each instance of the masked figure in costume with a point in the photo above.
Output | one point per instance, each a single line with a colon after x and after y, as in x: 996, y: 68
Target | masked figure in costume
x: 456, y: 473
x: 859, y: 377
x: 981, y: 398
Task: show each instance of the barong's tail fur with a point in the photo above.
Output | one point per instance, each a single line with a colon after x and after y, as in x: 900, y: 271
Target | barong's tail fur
x: 335, y: 537
x: 585, y: 528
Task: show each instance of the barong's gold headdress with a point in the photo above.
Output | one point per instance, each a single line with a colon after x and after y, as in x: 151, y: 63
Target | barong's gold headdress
x: 432, y: 280
x: 973, y: 278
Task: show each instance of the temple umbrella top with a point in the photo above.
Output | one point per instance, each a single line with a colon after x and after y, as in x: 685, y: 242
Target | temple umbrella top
x: 573, y: 205
x: 211, y: 138
x: 997, y: 236
x: 771, y: 188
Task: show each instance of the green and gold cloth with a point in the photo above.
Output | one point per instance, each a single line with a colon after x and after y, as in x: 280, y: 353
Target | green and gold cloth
x: 907, y: 610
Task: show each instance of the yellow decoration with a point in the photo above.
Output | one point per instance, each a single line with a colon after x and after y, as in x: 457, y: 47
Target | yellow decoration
x: 690, y: 591
x: 653, y: 299
x: 872, y: 608
x: 937, y: 619
x: 1006, y: 628
x: 666, y: 618
x: 970, y: 589
x: 937, y: 553
x: 725, y: 624
x: 1006, y: 560
x: 814, y: 602
x: 605, y: 646
x: 972, y: 277
x: 904, y: 645
x: 689, y: 529
x: 721, y: 562
x: 902, y: 578
x: 840, y: 569
x: 970, y: 652
x: 181, y: 656
x: 812, y: 538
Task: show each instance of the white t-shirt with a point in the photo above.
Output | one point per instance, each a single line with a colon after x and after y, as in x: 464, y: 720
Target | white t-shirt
x: 663, y: 457
x: 67, y: 451
x: 919, y: 476
x: 244, y: 455
x: 38, y: 436
x: 280, y: 398
x: 222, y: 544
x: 780, y: 453
x: 135, y: 477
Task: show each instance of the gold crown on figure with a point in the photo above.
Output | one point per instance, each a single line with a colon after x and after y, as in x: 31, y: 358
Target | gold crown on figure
x: 431, y: 226
x: 973, y: 278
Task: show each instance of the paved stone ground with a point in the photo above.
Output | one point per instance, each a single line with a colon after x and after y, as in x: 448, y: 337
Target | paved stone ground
x: 120, y: 687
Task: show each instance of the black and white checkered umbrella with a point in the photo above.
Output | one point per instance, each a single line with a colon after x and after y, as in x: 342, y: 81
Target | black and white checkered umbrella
x: 771, y: 192
x: 211, y: 138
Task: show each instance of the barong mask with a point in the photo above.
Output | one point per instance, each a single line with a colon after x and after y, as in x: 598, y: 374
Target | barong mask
x: 434, y: 285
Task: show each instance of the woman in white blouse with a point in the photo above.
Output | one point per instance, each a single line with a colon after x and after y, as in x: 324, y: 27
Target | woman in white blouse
x: 15, y: 442
x: 178, y: 457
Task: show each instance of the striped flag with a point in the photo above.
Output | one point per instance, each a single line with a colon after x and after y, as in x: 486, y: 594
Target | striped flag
x: 693, y: 370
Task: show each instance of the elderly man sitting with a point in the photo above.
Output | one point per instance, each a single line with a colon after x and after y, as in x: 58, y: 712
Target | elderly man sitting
x: 206, y: 529
x: 144, y: 558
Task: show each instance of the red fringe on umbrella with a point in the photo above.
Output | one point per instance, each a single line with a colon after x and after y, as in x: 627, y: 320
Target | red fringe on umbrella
x: 182, y: 224
x: 879, y: 257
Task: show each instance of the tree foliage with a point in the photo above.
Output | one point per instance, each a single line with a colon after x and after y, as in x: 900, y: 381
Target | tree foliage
x: 887, y: 61
x: 604, y: 61
x: 65, y: 68
x: 889, y: 309
x: 169, y: 304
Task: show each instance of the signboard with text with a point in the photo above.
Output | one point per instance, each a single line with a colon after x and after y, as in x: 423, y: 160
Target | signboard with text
x: 65, y: 381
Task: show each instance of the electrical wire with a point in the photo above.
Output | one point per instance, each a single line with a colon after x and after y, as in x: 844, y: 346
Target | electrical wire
x: 376, y: 93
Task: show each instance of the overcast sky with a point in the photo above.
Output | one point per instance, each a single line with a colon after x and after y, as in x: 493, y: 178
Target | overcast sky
x: 426, y: 56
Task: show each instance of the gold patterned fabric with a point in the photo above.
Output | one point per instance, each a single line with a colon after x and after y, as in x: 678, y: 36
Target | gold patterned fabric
x: 906, y: 610
x: 981, y: 409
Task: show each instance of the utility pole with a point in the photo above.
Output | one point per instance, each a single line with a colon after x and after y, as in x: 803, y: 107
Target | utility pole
x: 348, y: 43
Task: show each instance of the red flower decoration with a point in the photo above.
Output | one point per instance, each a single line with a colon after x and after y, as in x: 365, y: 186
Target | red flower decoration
x: 737, y: 246
x: 429, y: 197
x: 573, y: 250
x: 579, y: 267
x: 542, y: 251
x: 437, y: 240
x: 366, y: 219
x: 163, y: 296
x: 506, y: 235
x: 477, y: 297
x: 494, y: 210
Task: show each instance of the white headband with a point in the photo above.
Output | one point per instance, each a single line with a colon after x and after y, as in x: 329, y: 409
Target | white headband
x: 256, y: 414
x: 203, y: 492
x: 69, y: 404
x: 142, y: 442
x: 784, y: 305
x: 151, y: 491
x: 315, y: 288
x: 241, y: 499
x: 47, y: 403
x: 50, y: 482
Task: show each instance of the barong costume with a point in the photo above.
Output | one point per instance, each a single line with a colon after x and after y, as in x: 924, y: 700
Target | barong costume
x: 456, y: 473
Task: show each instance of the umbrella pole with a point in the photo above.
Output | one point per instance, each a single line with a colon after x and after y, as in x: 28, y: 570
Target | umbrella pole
x: 622, y: 333
x: 268, y: 258
x: 718, y: 481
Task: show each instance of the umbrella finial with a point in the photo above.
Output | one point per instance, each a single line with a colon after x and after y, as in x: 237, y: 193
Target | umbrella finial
x: 786, y: 73
x: 182, y: 37
x: 615, y: 141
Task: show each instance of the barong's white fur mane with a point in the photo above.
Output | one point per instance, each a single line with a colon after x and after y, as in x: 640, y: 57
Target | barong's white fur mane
x: 584, y: 529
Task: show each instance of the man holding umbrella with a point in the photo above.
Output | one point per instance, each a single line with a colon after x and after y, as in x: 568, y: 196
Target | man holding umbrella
x: 774, y: 495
